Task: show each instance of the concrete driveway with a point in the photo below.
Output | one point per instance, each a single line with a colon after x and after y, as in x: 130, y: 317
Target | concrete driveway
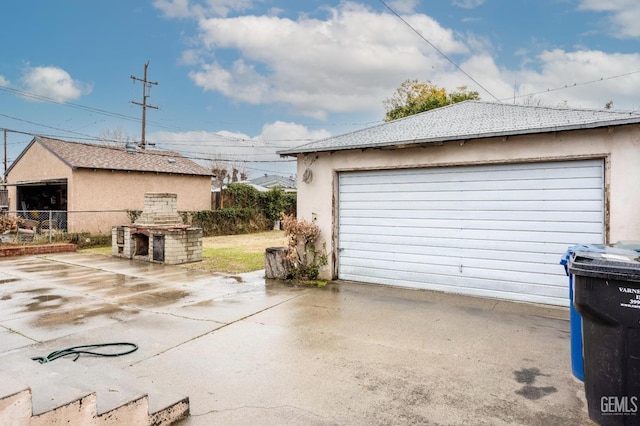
x: 250, y: 352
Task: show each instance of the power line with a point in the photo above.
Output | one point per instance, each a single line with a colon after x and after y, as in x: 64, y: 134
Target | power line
x: 43, y: 125
x: 196, y: 155
x: 570, y: 86
x: 252, y: 145
x: 438, y: 50
x: 35, y: 96
x: 31, y: 95
x: 165, y: 153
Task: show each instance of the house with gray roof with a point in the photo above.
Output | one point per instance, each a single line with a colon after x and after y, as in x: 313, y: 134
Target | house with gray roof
x: 477, y: 198
x: 92, y: 186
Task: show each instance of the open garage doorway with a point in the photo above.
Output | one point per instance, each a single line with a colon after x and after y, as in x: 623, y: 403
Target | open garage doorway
x: 44, y: 201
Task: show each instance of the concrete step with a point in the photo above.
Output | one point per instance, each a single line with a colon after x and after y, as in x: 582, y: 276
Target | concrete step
x: 89, y: 391
x: 80, y: 411
x: 15, y: 400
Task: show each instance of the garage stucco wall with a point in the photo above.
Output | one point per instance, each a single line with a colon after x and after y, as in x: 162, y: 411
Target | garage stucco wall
x: 618, y: 146
x: 116, y: 190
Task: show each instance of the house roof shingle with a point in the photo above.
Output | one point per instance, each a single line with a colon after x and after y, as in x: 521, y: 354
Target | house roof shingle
x: 91, y: 156
x: 469, y: 120
x: 269, y: 181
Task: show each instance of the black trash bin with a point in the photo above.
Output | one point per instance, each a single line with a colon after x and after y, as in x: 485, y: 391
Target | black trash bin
x: 607, y: 296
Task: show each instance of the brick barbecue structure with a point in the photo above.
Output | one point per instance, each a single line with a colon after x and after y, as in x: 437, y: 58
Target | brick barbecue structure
x: 159, y: 234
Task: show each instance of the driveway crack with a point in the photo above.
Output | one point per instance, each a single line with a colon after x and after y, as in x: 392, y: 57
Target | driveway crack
x: 225, y: 325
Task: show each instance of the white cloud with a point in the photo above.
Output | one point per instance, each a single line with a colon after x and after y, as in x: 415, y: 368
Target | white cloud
x: 349, y: 61
x: 353, y: 58
x: 189, y: 57
x: 174, y: 8
x: 467, y: 4
x: 53, y: 82
x: 285, y: 134
x: 241, y: 82
x: 256, y: 153
x: 579, y: 79
x: 3, y: 81
x: 403, y: 6
x: 623, y: 15
x: 201, y: 9
x: 587, y: 78
x: 486, y: 72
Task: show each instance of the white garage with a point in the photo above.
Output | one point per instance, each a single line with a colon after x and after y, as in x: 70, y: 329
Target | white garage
x: 477, y: 198
x: 492, y: 231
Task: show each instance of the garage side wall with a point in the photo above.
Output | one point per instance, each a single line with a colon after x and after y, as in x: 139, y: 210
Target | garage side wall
x: 619, y: 147
x: 97, y: 190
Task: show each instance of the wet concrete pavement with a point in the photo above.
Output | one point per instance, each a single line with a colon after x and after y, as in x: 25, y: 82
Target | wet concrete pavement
x: 250, y: 352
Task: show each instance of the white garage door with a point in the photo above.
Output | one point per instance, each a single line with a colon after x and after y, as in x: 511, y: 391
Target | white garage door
x: 496, y: 231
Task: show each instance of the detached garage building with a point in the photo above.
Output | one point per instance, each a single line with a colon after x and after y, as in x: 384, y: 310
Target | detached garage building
x: 475, y: 198
x: 90, y: 187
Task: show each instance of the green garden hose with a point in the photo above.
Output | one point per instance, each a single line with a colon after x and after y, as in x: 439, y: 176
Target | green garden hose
x: 88, y: 350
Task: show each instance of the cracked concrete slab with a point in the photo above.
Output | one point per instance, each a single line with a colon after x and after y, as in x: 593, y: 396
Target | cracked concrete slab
x: 247, y: 351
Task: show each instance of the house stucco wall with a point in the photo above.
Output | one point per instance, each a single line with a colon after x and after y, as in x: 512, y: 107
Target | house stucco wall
x: 618, y: 146
x: 91, y: 191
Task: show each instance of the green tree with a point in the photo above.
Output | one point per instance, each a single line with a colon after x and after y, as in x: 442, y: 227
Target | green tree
x: 413, y: 97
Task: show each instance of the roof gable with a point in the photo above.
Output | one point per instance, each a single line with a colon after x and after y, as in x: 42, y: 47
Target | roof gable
x: 469, y: 120
x: 91, y: 156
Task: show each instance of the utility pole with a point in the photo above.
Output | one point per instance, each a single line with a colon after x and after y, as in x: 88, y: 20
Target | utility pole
x: 146, y: 90
x: 4, y: 176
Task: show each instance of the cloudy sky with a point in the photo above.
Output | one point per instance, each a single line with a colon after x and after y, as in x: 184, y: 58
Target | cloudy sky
x: 240, y: 79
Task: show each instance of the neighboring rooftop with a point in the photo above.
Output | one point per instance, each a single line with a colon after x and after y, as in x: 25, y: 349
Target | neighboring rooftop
x: 92, y: 156
x: 469, y: 120
x: 244, y: 182
x: 270, y: 181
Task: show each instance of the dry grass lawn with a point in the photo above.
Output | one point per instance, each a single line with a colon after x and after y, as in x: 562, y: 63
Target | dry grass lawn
x: 251, y: 243
x: 235, y: 254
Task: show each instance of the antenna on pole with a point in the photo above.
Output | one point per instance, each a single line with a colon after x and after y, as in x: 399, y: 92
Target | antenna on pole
x: 146, y: 92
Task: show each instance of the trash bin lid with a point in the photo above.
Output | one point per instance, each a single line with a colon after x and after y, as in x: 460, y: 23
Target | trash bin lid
x: 619, y: 247
x: 606, y: 262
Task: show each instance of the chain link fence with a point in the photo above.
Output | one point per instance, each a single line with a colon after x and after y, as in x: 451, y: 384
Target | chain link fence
x: 47, y: 226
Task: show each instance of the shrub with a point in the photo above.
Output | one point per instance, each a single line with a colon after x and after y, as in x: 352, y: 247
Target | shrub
x: 302, y: 253
x: 245, y: 210
x: 228, y: 221
x: 240, y: 195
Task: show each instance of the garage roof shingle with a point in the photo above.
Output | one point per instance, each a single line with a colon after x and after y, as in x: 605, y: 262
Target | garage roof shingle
x: 91, y: 156
x: 469, y: 120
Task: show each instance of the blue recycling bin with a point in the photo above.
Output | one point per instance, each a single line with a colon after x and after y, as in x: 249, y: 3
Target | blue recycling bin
x: 577, y: 360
